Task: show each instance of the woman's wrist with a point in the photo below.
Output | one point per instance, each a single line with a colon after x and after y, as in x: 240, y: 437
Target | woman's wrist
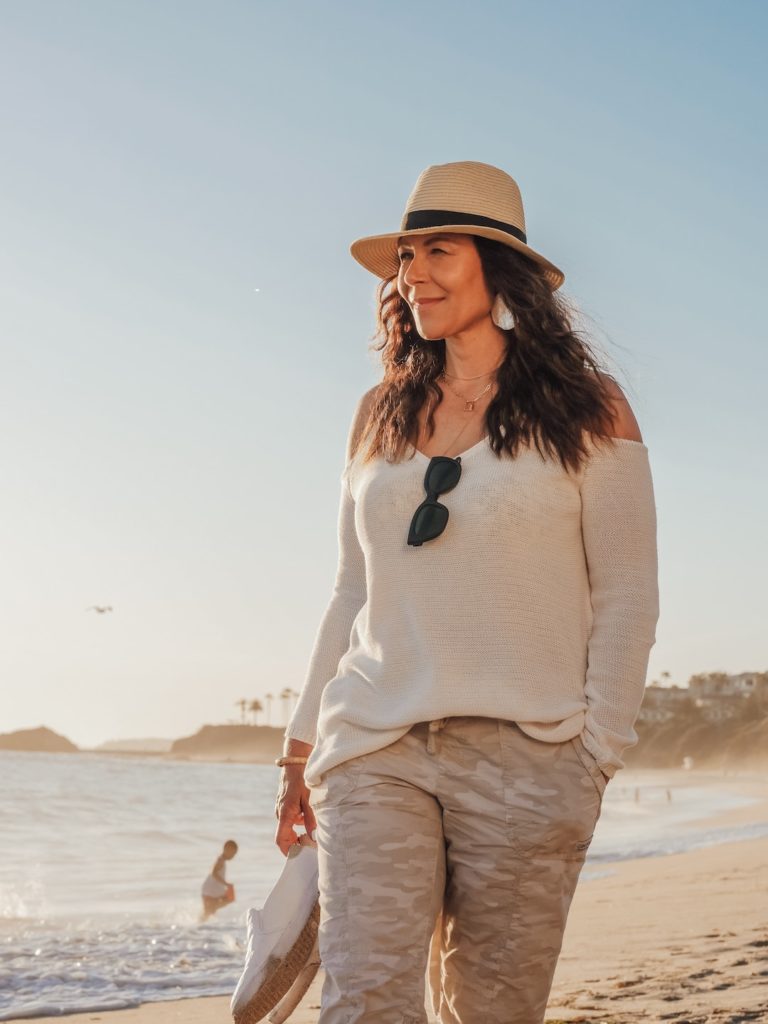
x: 297, y: 748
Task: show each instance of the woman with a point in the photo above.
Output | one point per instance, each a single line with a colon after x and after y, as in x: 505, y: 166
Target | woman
x: 479, y: 668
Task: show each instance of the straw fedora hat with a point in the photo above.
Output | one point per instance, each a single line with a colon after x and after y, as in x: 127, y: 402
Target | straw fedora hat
x: 467, y: 197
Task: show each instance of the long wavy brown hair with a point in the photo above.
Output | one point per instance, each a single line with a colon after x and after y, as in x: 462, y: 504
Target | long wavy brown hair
x: 550, y: 386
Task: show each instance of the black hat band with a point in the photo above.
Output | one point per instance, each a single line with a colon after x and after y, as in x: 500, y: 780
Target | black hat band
x: 439, y: 218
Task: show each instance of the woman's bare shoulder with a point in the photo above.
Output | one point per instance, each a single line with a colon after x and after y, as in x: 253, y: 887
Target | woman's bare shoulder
x: 624, y: 422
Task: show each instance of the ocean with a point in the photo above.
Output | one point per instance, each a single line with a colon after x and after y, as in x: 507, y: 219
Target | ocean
x: 102, y: 859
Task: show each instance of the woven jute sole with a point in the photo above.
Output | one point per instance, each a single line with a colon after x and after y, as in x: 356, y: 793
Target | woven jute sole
x: 281, y: 973
x: 297, y: 991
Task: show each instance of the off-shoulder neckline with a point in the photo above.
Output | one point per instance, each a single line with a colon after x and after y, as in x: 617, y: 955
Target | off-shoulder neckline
x: 628, y: 440
x: 460, y: 455
x: 483, y: 442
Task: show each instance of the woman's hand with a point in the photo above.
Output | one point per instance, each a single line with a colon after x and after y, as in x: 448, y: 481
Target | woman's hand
x: 292, y: 807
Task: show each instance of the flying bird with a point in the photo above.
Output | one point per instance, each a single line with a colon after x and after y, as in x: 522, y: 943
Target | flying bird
x: 100, y: 608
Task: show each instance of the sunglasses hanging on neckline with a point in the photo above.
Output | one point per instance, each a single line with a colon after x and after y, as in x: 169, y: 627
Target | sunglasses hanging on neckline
x: 431, y: 517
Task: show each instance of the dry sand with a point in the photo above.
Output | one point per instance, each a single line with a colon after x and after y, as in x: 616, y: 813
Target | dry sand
x: 681, y: 938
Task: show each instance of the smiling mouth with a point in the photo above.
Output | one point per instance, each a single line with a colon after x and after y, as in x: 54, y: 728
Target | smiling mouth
x: 427, y: 302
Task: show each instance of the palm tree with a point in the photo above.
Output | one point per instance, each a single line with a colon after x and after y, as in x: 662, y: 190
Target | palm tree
x: 285, y: 695
x: 269, y: 698
x: 242, y: 704
x: 255, y: 707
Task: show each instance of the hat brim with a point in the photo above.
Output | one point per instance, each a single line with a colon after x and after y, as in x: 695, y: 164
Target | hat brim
x: 378, y: 253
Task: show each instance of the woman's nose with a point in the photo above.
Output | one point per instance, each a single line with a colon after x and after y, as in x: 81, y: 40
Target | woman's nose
x: 414, y: 271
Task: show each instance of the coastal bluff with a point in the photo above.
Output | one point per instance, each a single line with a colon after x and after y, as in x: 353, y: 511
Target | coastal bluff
x: 728, y: 745
x: 257, y: 743
x: 40, y: 741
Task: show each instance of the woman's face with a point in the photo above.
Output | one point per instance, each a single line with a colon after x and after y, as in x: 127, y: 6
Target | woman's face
x: 444, y: 266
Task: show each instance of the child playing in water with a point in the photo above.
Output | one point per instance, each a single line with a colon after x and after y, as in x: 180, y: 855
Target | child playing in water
x: 216, y: 891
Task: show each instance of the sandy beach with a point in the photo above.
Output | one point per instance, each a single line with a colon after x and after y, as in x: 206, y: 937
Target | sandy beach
x: 681, y: 938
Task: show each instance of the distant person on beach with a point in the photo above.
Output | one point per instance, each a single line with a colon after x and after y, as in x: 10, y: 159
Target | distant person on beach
x: 217, y: 892
x: 481, y: 662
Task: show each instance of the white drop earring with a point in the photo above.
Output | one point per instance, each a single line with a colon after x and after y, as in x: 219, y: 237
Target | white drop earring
x: 501, y: 314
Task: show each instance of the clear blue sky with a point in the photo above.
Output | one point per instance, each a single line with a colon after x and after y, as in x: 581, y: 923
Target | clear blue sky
x: 185, y: 335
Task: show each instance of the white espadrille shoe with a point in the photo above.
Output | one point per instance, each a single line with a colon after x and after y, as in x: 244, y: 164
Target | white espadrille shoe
x: 282, y: 939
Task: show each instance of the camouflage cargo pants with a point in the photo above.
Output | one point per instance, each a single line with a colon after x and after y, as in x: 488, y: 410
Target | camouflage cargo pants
x: 452, y: 856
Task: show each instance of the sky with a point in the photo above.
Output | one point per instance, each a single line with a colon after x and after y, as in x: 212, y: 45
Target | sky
x: 184, y: 334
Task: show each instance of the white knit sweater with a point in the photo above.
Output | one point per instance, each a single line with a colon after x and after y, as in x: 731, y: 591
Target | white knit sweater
x: 538, y: 603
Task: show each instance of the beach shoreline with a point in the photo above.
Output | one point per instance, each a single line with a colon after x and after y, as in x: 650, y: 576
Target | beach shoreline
x: 681, y: 936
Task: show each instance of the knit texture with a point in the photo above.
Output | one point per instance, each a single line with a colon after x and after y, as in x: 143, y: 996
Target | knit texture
x: 538, y: 603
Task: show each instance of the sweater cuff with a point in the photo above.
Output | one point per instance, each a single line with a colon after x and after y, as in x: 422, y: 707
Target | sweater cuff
x: 305, y: 733
x: 608, y: 768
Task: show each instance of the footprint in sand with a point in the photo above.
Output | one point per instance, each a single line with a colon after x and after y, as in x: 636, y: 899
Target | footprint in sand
x: 703, y: 974
x: 627, y: 982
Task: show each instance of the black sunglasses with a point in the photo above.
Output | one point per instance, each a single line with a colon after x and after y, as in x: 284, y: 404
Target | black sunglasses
x: 430, y: 518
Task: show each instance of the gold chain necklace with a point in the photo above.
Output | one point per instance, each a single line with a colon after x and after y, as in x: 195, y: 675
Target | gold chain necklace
x: 454, y: 377
x: 469, y: 403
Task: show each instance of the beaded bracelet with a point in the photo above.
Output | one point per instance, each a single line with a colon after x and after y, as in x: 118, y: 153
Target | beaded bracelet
x: 290, y: 759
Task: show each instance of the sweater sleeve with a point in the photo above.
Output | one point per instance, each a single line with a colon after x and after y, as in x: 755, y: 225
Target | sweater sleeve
x: 333, y: 634
x: 618, y: 520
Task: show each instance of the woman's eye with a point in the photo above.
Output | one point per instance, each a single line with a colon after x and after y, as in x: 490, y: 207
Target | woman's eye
x: 404, y: 254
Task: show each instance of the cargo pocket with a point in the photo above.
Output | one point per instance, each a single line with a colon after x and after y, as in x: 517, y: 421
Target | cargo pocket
x: 589, y: 761
x: 336, y: 784
x: 551, y: 804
